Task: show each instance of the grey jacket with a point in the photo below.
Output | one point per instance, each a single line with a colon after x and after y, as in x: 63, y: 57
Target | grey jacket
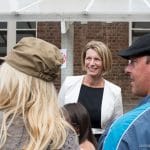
x: 18, y: 137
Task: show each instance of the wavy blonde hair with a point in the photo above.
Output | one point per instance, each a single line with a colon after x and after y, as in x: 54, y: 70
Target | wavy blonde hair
x: 36, y: 101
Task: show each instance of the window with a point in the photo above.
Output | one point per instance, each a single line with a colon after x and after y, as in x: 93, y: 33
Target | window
x: 25, y: 29
x: 3, y: 39
x: 139, y: 29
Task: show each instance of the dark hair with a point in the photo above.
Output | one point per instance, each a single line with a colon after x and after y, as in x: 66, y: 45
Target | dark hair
x: 80, y: 120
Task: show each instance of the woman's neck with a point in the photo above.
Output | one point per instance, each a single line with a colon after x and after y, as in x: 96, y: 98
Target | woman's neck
x: 93, y: 81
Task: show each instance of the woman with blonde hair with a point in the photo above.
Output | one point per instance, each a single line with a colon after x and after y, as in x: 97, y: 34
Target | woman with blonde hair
x: 30, y: 117
x: 100, y: 97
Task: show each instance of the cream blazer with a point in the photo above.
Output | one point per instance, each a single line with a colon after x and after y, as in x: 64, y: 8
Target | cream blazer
x: 111, y: 103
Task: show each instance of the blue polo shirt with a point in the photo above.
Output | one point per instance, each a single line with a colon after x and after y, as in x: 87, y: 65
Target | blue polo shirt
x: 131, y: 131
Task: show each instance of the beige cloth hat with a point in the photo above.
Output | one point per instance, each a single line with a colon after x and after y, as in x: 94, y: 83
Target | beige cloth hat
x: 35, y: 57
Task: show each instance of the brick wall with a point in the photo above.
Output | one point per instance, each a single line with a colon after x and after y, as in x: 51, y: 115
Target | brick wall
x: 115, y: 35
x: 50, y: 31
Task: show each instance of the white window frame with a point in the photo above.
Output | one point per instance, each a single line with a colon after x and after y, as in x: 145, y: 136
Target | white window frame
x: 5, y: 29
x: 27, y: 29
x: 11, y: 33
x: 146, y: 30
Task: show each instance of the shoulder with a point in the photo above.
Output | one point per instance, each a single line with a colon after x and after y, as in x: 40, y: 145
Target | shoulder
x: 113, y: 86
x: 128, y: 129
x: 134, y: 134
x: 73, y: 79
x: 71, y: 142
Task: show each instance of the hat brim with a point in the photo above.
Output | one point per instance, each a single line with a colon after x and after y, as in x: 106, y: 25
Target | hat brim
x: 131, y: 52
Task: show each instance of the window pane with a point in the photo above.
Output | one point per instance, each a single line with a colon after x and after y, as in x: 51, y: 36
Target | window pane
x: 141, y: 25
x: 136, y: 34
x: 21, y: 34
x: 26, y: 25
x: 3, y: 25
x: 3, y: 44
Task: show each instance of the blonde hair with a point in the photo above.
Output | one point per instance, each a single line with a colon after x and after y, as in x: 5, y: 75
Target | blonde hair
x: 102, y: 50
x: 36, y: 101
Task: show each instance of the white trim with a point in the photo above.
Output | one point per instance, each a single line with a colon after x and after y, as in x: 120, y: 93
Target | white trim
x: 78, y: 17
x: 36, y: 28
x: 130, y: 33
x: 141, y: 29
x: 67, y: 42
x: 64, y: 26
x: 11, y: 34
x: 26, y: 29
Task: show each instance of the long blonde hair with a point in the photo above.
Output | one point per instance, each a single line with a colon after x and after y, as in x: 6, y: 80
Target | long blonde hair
x: 36, y: 101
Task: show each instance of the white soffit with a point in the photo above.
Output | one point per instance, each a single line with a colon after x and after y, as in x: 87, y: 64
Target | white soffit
x: 75, y: 10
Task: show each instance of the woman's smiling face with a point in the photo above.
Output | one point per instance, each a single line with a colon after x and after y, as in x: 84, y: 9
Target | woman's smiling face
x: 93, y: 63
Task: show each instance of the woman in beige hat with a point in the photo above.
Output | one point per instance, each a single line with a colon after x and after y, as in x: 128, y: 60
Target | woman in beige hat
x: 30, y: 117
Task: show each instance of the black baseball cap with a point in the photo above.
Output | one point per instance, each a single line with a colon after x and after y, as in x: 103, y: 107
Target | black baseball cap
x: 140, y: 47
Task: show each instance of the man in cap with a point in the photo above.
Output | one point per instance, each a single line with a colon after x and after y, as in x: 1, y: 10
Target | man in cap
x: 132, y: 130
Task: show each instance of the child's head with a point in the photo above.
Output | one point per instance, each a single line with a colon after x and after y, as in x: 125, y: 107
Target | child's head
x: 80, y: 120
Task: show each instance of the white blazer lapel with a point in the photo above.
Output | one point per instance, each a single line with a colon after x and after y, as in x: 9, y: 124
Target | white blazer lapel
x: 73, y: 89
x: 107, y: 107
